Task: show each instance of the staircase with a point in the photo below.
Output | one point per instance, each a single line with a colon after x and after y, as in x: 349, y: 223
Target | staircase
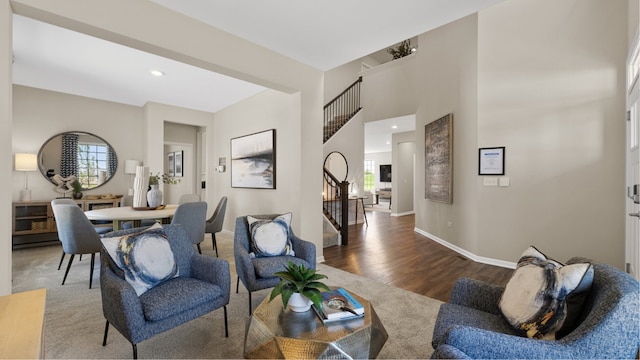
x: 336, y: 114
x: 341, y: 109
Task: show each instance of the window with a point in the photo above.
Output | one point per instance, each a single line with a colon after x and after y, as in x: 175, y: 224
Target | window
x: 92, y: 164
x: 369, y: 175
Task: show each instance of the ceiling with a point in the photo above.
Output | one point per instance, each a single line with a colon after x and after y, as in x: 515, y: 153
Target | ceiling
x: 322, y: 34
x: 377, y: 134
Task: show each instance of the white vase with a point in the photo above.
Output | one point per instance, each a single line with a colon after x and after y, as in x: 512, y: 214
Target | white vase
x: 299, y: 303
x: 154, y: 196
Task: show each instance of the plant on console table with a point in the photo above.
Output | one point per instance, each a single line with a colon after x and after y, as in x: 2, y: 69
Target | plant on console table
x: 299, y: 287
x: 154, y: 196
x: 77, y: 189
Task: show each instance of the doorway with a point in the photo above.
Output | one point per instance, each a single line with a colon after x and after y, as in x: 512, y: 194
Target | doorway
x: 632, y: 242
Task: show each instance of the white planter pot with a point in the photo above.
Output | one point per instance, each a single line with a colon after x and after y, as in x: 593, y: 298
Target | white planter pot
x: 299, y: 303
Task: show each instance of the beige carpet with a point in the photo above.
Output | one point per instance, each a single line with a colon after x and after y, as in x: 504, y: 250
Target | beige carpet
x: 74, y: 324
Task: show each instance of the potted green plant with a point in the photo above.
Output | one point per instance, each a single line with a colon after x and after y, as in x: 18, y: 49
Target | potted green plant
x: 77, y: 189
x: 403, y: 49
x: 299, y: 287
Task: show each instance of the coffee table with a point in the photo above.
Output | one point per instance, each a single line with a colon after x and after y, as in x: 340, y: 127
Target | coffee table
x: 274, y: 332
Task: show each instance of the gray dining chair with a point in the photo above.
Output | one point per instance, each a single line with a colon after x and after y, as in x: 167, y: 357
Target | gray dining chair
x: 214, y: 223
x: 185, y: 198
x: 100, y: 229
x: 192, y: 216
x: 77, y: 235
x: 60, y: 202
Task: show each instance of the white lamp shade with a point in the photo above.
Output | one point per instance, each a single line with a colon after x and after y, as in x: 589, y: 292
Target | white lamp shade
x: 130, y: 166
x: 26, y: 162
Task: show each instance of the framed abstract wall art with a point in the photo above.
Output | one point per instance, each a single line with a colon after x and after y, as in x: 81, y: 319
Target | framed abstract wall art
x: 253, y: 160
x: 438, y: 160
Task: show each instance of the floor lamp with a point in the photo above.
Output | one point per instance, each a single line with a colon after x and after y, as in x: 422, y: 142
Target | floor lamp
x: 130, y: 168
x: 26, y: 163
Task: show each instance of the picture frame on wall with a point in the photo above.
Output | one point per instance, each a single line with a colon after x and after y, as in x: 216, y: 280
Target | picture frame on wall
x: 171, y: 164
x: 178, y: 169
x: 438, y: 136
x: 491, y: 161
x: 253, y: 160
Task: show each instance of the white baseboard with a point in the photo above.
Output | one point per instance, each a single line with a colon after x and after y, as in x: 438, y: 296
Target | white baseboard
x: 403, y: 214
x: 465, y: 253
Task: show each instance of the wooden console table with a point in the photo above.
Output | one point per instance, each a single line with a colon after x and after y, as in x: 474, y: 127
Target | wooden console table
x: 33, y: 221
x: 22, y: 325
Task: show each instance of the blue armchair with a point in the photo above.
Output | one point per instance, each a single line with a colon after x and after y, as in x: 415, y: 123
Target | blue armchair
x: 470, y: 326
x: 257, y: 273
x: 203, y: 285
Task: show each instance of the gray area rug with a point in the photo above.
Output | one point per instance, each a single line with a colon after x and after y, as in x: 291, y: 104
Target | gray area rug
x: 74, y: 324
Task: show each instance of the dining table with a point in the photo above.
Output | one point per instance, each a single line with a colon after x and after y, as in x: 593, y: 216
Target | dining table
x: 120, y: 215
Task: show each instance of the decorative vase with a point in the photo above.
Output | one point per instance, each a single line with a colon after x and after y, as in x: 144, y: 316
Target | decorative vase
x: 77, y: 195
x: 299, y: 303
x: 154, y: 196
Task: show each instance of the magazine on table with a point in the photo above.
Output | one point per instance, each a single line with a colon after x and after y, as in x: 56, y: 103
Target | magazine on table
x: 338, y: 305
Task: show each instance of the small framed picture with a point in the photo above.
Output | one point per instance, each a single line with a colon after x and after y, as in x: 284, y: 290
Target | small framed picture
x: 491, y: 161
x: 178, y: 162
x: 171, y: 164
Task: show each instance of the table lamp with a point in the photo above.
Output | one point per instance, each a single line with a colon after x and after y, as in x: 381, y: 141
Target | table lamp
x: 130, y: 168
x: 26, y: 162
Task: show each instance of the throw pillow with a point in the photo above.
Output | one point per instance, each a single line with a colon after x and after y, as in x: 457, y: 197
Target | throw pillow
x: 534, y: 301
x: 270, y: 237
x: 145, y: 257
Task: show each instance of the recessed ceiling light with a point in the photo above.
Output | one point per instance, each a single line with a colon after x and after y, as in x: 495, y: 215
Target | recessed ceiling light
x: 156, y: 72
x: 388, y: 142
x: 394, y: 127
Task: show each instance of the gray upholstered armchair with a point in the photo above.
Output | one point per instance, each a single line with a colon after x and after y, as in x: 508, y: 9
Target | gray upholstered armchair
x: 257, y: 273
x: 203, y: 285
x: 469, y: 326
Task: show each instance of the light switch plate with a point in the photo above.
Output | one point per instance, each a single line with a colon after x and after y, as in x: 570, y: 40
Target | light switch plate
x: 490, y: 181
x: 504, y: 181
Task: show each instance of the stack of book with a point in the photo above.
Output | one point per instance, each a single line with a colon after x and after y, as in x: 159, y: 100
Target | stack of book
x: 336, y: 306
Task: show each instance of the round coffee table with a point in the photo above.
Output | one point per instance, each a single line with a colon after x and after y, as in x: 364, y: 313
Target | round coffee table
x: 273, y: 332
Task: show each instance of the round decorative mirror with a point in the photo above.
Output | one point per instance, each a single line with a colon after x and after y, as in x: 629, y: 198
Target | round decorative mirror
x: 89, y: 157
x: 336, y: 163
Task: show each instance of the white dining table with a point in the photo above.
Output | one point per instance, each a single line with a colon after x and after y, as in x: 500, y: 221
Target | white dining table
x: 118, y: 215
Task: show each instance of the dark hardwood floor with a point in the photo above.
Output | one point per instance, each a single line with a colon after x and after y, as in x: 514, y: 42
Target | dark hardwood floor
x: 389, y: 251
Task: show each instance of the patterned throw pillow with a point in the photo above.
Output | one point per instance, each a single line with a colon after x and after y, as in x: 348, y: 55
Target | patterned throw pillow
x: 534, y: 301
x: 146, y: 257
x: 270, y: 237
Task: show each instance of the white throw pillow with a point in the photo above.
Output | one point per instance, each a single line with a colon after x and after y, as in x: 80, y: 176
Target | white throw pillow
x: 534, y: 301
x: 270, y: 237
x: 145, y: 257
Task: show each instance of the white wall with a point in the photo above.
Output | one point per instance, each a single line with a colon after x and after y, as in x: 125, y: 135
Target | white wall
x: 267, y: 110
x: 546, y: 80
x: 561, y: 115
x: 388, y: 90
x: 40, y: 114
x: 447, y: 83
x: 402, y: 192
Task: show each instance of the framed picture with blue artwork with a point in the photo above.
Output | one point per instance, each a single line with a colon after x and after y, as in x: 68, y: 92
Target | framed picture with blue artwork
x: 253, y: 160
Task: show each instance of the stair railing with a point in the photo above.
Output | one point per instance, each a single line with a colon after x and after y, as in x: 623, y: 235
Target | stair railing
x: 341, y: 109
x: 336, y: 204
